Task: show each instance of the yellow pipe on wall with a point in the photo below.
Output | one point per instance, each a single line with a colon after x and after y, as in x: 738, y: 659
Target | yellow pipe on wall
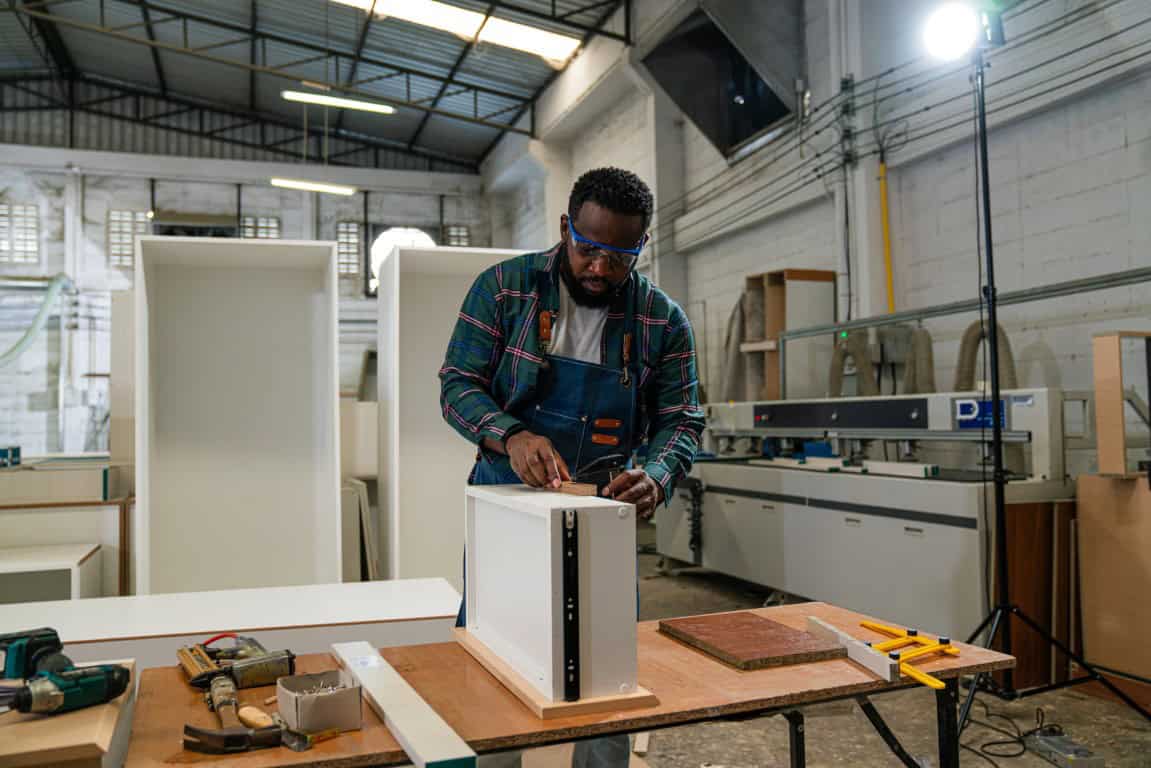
x: 886, y: 235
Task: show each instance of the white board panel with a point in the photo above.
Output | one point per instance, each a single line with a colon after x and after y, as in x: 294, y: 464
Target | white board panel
x: 424, y: 463
x: 237, y: 424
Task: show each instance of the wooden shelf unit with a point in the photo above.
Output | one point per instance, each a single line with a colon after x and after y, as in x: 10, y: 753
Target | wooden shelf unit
x: 783, y: 300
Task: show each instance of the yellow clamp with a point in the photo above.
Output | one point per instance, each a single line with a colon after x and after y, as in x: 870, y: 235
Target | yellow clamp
x: 905, y: 637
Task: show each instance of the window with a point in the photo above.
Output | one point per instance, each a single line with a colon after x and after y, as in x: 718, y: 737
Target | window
x: 260, y: 227
x: 123, y: 226
x: 348, y: 248
x: 19, y: 233
x: 457, y: 235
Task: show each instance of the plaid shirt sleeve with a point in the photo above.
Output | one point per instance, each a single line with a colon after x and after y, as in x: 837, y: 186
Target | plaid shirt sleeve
x: 470, y: 365
x: 676, y: 418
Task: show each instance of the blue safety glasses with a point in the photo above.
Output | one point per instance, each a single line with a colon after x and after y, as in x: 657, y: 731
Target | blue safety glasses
x: 617, y: 258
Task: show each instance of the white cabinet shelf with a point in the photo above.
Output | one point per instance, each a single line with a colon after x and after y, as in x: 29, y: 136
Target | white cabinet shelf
x: 424, y: 463
x: 53, y: 572
x: 237, y: 414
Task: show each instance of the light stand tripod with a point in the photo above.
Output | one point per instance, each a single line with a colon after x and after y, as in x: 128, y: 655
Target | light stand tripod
x: 999, y: 618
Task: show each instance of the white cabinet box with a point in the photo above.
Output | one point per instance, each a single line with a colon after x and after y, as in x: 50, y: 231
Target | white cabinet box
x: 237, y: 414
x: 517, y: 553
x: 424, y: 463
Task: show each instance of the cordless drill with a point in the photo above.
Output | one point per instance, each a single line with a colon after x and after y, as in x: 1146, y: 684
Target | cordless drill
x: 33, y: 651
x: 52, y: 683
x: 49, y: 693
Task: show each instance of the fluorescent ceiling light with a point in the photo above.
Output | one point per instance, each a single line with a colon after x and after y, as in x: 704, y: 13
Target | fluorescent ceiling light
x: 335, y: 101
x: 470, y: 26
x: 313, y: 186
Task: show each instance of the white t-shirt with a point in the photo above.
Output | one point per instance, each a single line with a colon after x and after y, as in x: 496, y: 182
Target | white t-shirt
x: 578, y: 331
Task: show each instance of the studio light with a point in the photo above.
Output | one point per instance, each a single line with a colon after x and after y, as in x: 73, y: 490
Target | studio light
x: 303, y: 97
x: 951, y: 31
x: 313, y: 186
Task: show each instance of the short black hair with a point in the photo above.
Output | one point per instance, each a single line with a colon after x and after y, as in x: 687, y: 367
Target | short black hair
x: 617, y: 190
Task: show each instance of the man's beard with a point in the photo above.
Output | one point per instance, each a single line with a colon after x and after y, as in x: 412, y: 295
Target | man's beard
x: 581, y: 295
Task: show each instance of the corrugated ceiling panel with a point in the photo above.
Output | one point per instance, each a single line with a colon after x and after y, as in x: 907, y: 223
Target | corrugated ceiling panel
x: 100, y: 54
x: 16, y: 48
x: 453, y: 137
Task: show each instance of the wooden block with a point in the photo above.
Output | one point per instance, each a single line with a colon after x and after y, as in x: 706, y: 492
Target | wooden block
x: 747, y: 641
x: 880, y: 664
x: 81, y: 738
x: 427, y: 740
x: 579, y: 489
x: 642, y: 741
x: 544, y: 708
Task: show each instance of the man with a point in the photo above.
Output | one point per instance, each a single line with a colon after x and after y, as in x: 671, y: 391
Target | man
x: 564, y: 362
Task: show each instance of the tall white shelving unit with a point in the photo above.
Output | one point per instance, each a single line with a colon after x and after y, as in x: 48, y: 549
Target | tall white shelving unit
x: 424, y: 464
x: 237, y: 414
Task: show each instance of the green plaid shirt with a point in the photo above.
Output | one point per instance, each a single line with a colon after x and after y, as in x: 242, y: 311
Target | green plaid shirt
x: 494, y: 358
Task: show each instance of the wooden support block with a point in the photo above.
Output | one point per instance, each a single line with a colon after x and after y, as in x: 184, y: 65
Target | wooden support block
x: 641, y: 743
x: 579, y: 489
x: 747, y: 641
x: 885, y: 667
x: 545, y: 708
x: 428, y: 741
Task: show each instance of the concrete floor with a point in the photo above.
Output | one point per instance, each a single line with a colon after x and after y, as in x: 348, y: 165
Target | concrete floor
x: 839, y: 734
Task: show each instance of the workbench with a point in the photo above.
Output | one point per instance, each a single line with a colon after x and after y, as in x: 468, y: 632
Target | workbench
x: 691, y: 687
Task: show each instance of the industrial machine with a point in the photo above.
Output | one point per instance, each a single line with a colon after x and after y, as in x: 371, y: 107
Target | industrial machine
x: 797, y: 499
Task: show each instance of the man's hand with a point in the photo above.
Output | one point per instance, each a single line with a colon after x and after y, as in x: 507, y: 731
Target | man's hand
x: 634, y: 486
x: 536, y: 461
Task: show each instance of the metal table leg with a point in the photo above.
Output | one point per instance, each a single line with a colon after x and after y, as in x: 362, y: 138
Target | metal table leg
x: 946, y: 701
x: 795, y: 738
x: 885, y: 733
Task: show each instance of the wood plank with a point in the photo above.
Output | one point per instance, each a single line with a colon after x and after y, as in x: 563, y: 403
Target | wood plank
x: 1030, y: 575
x: 83, y: 736
x: 882, y: 665
x: 1110, y: 424
x: 425, y: 737
x: 579, y: 489
x: 747, y: 641
x: 816, y: 275
x: 542, y: 707
x: 691, y: 687
x: 1114, y: 529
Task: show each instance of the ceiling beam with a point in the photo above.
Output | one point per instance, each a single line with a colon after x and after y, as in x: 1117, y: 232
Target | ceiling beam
x: 360, y: 52
x: 468, y: 48
x: 156, y: 63
x: 60, y: 58
x: 172, y: 106
x: 295, y: 42
x: 626, y: 5
x: 262, y: 69
x: 253, y: 16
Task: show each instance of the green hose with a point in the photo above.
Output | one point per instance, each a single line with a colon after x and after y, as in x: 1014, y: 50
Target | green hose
x: 59, y: 283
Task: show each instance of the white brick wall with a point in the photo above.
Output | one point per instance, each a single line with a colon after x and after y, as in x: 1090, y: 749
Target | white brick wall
x: 1071, y: 189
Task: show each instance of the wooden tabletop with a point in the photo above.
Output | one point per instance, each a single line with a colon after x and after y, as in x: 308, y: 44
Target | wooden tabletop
x: 691, y: 687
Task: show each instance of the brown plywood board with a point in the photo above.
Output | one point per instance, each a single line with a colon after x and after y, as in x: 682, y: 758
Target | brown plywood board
x: 83, y: 736
x: 691, y: 687
x: 1113, y: 519
x: 748, y: 641
x: 1110, y: 427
